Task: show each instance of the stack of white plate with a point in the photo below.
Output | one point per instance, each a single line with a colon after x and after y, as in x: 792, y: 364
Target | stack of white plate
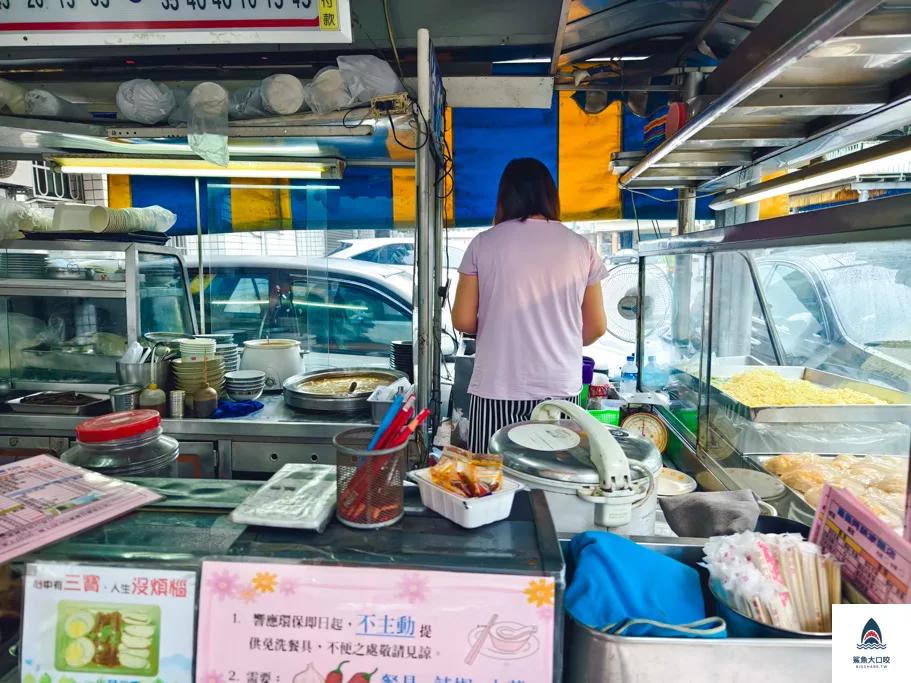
x: 230, y: 353
x: 193, y: 350
x: 219, y: 337
x: 245, y: 385
x: 188, y: 375
x: 22, y: 265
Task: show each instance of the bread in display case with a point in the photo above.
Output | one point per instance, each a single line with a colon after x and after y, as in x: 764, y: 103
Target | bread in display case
x: 794, y: 338
x: 69, y: 309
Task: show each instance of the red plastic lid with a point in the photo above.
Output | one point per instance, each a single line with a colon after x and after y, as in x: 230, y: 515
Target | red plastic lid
x: 118, y: 426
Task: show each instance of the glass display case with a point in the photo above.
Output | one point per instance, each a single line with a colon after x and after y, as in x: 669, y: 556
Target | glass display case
x: 790, y: 336
x: 68, y: 310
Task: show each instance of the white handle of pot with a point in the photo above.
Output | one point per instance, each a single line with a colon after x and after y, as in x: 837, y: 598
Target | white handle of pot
x: 606, y: 454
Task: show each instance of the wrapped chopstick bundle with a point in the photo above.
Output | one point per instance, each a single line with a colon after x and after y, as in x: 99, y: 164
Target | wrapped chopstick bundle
x: 776, y: 579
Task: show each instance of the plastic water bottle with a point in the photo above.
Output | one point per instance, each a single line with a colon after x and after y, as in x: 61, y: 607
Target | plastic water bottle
x: 654, y: 378
x: 629, y: 373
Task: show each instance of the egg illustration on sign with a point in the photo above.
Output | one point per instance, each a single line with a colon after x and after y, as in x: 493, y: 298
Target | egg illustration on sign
x: 107, y: 638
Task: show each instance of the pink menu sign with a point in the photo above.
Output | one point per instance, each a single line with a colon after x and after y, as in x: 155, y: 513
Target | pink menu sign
x: 43, y: 500
x: 280, y: 623
x: 875, y: 560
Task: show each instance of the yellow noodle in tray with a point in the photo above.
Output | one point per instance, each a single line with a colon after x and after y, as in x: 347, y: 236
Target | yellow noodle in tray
x: 763, y: 387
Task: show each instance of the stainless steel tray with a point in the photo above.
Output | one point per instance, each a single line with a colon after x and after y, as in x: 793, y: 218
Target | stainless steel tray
x: 898, y: 409
x: 593, y: 657
x: 100, y: 406
x: 334, y: 403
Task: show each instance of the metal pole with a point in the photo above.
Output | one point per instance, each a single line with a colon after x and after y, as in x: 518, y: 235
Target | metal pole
x: 752, y: 209
x: 424, y: 175
x: 686, y: 210
x: 202, y: 276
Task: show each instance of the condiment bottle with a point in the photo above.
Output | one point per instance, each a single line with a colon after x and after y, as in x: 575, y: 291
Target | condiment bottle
x: 153, y: 398
x: 205, y: 401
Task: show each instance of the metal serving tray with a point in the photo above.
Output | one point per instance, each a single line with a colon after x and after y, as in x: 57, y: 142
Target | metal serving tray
x: 98, y: 407
x: 594, y: 657
x: 898, y: 410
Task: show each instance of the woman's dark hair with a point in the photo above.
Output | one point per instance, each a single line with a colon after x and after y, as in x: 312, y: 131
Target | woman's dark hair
x: 526, y: 189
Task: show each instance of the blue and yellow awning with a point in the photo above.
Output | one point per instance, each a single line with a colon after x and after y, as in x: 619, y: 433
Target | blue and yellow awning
x: 574, y: 145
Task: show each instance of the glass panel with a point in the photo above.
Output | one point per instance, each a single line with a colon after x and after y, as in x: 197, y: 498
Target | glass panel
x: 164, y: 304
x: 672, y: 318
x: 838, y: 320
x: 845, y: 309
x: 74, y: 266
x: 348, y: 324
x: 64, y: 339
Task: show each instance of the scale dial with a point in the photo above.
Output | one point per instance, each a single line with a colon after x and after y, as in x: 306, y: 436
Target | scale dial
x: 649, y: 426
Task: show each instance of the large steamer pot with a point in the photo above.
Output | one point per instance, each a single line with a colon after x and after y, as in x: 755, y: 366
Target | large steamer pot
x: 561, y: 470
x: 278, y: 358
x: 297, y: 396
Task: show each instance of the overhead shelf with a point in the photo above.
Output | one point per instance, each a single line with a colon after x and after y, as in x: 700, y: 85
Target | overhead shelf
x: 357, y: 136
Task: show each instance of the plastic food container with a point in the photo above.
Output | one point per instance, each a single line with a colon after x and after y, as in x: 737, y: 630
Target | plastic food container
x: 298, y: 496
x: 128, y: 444
x: 466, y: 512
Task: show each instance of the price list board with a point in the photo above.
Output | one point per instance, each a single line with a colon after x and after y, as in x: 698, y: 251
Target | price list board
x: 43, y: 500
x: 876, y: 561
x: 172, y: 22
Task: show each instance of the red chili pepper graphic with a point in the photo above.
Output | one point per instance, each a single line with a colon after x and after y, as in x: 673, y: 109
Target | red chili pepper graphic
x: 360, y: 678
x: 336, y: 676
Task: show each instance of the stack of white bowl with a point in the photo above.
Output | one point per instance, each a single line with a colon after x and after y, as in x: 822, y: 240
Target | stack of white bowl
x: 188, y: 375
x: 230, y: 353
x: 245, y: 385
x: 195, y: 350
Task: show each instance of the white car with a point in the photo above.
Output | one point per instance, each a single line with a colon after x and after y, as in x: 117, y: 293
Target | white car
x: 394, y: 251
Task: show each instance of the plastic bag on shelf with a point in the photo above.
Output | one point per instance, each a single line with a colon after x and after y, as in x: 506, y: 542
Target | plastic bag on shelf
x: 16, y: 216
x: 366, y: 77
x: 40, y: 102
x: 205, y: 111
x: 12, y: 96
x: 281, y: 95
x: 327, y: 92
x: 144, y: 101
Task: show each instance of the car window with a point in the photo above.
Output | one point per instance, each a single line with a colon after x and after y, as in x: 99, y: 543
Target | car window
x: 236, y: 301
x: 371, y: 255
x: 399, y: 254
x: 796, y: 311
x: 345, y: 317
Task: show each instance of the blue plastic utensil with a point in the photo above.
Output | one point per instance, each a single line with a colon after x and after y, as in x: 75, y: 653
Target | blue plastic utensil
x: 387, y: 420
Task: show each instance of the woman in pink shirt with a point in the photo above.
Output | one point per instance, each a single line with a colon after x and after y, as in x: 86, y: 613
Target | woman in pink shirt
x: 530, y: 289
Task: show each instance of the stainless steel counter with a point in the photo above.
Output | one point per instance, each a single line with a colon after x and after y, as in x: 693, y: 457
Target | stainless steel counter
x: 256, y: 445
x: 275, y: 421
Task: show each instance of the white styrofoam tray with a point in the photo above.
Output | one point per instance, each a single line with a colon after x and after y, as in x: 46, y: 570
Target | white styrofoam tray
x: 466, y: 512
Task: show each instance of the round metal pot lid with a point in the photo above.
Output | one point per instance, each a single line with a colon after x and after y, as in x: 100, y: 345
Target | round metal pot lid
x: 560, y: 451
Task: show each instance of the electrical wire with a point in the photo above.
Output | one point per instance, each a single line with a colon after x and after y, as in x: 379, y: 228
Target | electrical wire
x: 395, y: 50
x: 369, y: 113
x: 666, y: 201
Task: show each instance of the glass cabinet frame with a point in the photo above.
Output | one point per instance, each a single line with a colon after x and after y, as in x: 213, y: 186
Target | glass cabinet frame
x: 130, y: 290
x: 880, y: 224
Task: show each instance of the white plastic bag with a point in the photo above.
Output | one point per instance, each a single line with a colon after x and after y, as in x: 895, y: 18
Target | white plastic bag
x: 16, y: 216
x: 12, y: 96
x: 43, y: 103
x: 143, y: 101
x: 205, y: 111
x: 366, y: 77
x: 327, y: 92
x: 281, y: 94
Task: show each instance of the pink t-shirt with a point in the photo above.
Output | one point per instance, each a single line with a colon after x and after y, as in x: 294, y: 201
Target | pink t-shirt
x: 532, y: 276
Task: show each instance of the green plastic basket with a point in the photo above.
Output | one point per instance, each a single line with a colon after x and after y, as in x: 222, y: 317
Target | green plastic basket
x: 608, y: 417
